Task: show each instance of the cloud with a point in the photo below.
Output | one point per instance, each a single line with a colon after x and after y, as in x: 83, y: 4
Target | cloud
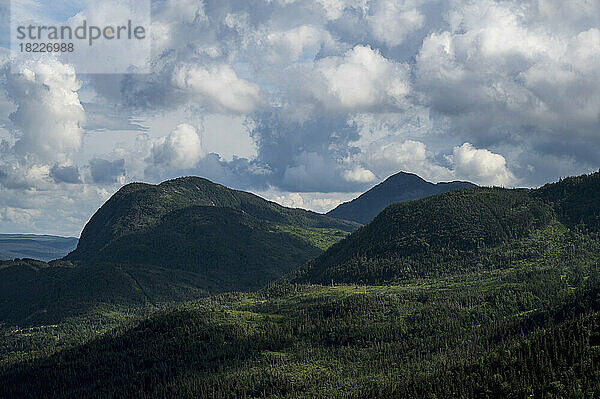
x: 334, y: 9
x: 18, y: 216
x: 398, y: 154
x: 65, y: 174
x: 389, y: 157
x: 508, y: 66
x: 360, y: 80
x: 315, y: 201
x: 481, y: 166
x: 302, y: 42
x: 104, y: 171
x: 49, y: 114
x: 359, y: 175
x: 23, y: 176
x: 218, y: 87
x: 181, y: 149
x: 302, y: 174
x: 392, y: 20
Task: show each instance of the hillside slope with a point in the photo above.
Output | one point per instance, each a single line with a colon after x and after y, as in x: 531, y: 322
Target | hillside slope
x: 400, y: 187
x: 451, y: 232
x: 576, y: 200
x: 35, y: 293
x: 41, y: 247
x: 228, y: 247
x: 434, y: 236
x: 232, y: 239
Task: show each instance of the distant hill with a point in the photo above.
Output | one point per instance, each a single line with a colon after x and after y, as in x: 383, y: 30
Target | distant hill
x: 235, y: 240
x: 41, y: 247
x: 452, y: 232
x: 400, y: 187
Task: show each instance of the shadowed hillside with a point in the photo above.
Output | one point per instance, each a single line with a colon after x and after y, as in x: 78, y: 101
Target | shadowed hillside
x: 232, y: 239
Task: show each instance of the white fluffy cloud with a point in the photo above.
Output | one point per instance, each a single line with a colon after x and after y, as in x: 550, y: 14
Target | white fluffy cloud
x: 359, y: 175
x: 512, y: 64
x: 49, y: 114
x: 392, y: 20
x: 334, y: 9
x: 388, y: 158
x: 284, y: 46
x: 181, y: 149
x: 315, y: 201
x: 218, y: 86
x: 360, y: 80
x: 481, y: 166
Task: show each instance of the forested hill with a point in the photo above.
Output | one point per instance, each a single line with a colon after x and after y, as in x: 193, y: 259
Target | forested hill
x: 400, y: 187
x: 137, y: 207
x: 233, y: 239
x: 576, y: 200
x: 452, y: 232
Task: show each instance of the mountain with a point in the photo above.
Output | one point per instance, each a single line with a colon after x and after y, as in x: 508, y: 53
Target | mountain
x: 452, y: 232
x: 234, y: 240
x: 400, y: 187
x: 41, y: 247
x: 484, y: 292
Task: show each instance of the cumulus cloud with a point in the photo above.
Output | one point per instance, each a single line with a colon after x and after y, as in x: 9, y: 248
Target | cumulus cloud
x: 508, y: 64
x: 300, y: 175
x: 359, y: 175
x: 104, y: 171
x: 302, y: 42
x: 392, y: 20
x: 481, y: 166
x: 24, y: 176
x: 315, y: 201
x: 388, y: 158
x: 398, y: 155
x: 218, y: 86
x: 360, y: 80
x: 334, y: 9
x: 49, y: 114
x: 181, y: 149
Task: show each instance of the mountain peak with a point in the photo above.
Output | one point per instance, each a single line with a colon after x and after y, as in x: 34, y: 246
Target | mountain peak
x: 404, y: 178
x: 400, y: 187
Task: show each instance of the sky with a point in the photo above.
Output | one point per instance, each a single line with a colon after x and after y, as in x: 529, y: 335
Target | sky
x: 305, y: 102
